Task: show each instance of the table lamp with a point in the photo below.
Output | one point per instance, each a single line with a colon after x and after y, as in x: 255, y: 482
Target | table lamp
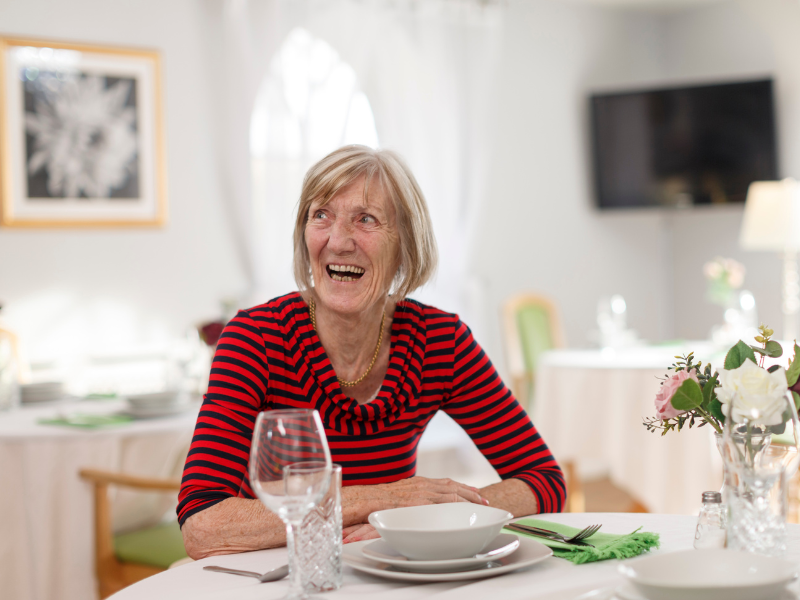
x: 772, y: 222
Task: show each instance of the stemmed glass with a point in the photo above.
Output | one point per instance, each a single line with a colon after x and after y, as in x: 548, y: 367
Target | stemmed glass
x: 290, y: 471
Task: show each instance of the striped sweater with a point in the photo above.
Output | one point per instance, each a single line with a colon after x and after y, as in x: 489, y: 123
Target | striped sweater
x: 270, y: 357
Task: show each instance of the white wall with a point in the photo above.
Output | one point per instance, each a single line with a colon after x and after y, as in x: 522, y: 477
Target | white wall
x: 541, y: 231
x: 66, y: 289
x: 733, y: 40
x: 540, y: 211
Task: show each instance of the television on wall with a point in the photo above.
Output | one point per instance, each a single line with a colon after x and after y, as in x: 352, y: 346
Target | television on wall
x: 686, y: 146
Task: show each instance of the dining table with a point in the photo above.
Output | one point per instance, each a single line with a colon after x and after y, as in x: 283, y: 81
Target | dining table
x: 552, y: 579
x: 589, y: 405
x: 46, y: 510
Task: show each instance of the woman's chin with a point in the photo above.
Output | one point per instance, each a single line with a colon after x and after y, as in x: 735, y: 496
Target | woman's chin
x: 347, y: 297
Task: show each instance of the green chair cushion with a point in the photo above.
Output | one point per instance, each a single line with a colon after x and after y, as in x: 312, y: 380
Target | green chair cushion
x: 158, y: 546
x: 535, y: 333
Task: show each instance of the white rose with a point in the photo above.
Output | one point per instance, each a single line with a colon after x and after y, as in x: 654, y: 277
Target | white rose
x: 759, y: 394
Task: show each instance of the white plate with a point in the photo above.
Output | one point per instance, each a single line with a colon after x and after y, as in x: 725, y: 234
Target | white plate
x: 709, y: 575
x: 381, y: 551
x: 530, y: 552
x: 627, y: 592
x: 150, y: 412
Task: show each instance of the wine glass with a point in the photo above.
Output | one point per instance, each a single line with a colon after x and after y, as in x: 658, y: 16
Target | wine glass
x: 290, y: 471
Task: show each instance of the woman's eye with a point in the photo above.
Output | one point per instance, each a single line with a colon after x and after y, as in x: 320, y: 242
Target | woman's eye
x: 367, y: 219
x: 319, y: 214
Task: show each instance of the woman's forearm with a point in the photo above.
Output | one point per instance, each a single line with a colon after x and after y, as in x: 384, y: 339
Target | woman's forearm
x: 512, y: 495
x: 233, y: 525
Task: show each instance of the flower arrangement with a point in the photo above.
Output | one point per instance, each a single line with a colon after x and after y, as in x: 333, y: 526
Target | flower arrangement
x: 693, y: 395
x: 724, y: 275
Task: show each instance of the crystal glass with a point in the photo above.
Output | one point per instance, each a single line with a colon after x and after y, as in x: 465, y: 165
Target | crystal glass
x: 290, y: 472
x: 319, y: 540
x: 760, y: 449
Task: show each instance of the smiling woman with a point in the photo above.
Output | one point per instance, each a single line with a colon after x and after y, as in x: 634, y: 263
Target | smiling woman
x: 363, y: 241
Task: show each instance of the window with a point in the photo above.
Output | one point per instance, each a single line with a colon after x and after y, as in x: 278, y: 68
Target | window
x: 309, y: 104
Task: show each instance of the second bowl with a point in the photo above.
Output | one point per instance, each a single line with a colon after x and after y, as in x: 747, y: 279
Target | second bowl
x: 440, y: 531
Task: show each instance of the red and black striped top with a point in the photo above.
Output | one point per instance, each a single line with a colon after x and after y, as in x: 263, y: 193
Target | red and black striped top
x: 270, y: 357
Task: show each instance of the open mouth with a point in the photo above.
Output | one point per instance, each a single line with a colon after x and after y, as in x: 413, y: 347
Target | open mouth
x: 344, y: 272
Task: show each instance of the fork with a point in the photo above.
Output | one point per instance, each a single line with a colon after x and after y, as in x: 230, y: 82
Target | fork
x: 578, y: 538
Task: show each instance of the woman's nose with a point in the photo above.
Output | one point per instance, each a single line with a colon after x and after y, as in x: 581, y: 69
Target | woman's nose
x: 341, y: 238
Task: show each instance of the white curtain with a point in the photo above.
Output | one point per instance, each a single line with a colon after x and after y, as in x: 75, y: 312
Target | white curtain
x: 426, y: 68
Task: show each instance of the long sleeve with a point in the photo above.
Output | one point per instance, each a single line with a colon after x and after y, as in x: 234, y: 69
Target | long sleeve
x: 486, y: 409
x: 220, y: 449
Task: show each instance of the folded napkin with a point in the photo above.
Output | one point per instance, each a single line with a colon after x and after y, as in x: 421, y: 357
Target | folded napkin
x: 606, y: 545
x: 87, y: 421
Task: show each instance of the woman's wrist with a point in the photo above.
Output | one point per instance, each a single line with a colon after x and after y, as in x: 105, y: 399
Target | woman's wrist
x: 359, y: 501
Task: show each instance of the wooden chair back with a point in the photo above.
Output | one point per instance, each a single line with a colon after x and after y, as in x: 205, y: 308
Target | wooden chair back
x: 112, y: 573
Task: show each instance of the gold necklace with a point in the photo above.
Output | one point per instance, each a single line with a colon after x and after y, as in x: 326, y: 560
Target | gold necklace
x: 313, y: 314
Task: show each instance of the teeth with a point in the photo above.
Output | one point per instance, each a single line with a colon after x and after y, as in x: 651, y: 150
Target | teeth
x: 346, y: 268
x: 340, y: 278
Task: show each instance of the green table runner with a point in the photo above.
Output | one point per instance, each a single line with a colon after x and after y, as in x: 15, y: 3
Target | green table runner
x: 606, y: 545
x: 87, y: 420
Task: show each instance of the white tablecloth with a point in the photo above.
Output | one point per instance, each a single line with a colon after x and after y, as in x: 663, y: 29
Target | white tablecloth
x: 553, y: 579
x: 589, y: 406
x: 46, y: 511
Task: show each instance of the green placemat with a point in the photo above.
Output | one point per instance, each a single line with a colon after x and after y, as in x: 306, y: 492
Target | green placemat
x: 87, y: 421
x: 606, y: 545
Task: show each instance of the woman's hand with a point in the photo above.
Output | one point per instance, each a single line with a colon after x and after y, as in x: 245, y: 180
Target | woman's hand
x: 416, y: 491
x: 359, y: 532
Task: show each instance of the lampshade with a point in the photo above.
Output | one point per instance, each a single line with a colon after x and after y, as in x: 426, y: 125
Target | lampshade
x: 771, y: 216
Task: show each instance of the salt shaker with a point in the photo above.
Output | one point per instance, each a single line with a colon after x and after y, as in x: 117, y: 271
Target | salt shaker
x: 711, y: 523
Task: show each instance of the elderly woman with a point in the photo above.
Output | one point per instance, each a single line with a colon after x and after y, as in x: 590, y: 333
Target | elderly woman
x: 374, y: 363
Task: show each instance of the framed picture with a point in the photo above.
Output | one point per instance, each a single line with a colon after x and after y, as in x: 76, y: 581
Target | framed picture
x: 81, y: 136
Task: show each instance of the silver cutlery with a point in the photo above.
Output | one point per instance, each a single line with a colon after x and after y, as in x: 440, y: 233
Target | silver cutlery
x: 273, y: 575
x: 577, y: 539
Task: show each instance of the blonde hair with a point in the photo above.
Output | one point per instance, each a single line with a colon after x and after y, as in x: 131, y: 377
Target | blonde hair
x: 418, y: 254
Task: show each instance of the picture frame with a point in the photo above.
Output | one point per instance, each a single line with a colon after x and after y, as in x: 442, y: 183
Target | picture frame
x: 81, y: 136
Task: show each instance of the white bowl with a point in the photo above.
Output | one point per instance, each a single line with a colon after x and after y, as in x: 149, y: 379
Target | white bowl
x: 440, y: 531
x: 709, y: 575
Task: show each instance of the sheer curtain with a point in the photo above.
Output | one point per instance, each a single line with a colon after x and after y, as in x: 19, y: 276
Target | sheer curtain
x: 424, y: 67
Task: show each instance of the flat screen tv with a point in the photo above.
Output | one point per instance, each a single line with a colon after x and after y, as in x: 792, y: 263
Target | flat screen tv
x: 700, y: 145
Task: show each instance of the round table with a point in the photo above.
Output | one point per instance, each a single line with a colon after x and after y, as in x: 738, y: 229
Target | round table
x: 46, y: 510
x: 589, y: 406
x: 551, y: 579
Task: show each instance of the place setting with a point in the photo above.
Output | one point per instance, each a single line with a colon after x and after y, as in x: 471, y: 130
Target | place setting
x: 443, y: 542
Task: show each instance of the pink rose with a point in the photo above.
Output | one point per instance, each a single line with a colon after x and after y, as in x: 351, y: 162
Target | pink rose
x: 664, y: 396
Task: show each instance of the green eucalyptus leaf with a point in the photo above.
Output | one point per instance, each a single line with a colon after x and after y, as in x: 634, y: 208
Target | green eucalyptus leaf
x: 708, y: 391
x: 738, y: 354
x: 773, y: 368
x: 793, y: 373
x: 774, y: 349
x: 715, y: 410
x: 688, y: 396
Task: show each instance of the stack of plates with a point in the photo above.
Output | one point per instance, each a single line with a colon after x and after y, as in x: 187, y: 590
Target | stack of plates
x: 46, y: 391
x: 158, y: 404
x: 376, y: 557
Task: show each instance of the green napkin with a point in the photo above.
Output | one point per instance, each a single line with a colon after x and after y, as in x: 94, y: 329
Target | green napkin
x: 606, y: 545
x: 87, y: 421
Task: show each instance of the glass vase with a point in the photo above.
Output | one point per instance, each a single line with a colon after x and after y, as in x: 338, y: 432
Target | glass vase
x: 760, y: 452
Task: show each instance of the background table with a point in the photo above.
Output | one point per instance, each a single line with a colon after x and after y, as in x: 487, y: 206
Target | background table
x: 46, y: 510
x: 589, y: 406
x: 553, y: 579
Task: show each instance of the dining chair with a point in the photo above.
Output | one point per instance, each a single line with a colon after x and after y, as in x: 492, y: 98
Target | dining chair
x: 123, y: 559
x: 531, y: 325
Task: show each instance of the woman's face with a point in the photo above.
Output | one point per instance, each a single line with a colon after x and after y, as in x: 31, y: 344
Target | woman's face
x: 354, y: 248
